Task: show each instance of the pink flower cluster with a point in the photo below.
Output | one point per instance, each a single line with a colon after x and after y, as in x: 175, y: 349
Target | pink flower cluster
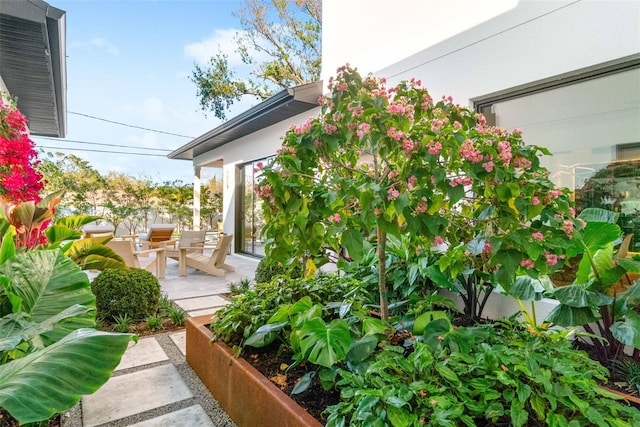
x: 395, y: 133
x: 527, y: 263
x: 286, y: 149
x: 394, y: 108
x: 504, y: 152
x: 356, y: 111
x: 265, y: 193
x: 521, y: 162
x: 537, y: 236
x: 554, y: 194
x: 470, y: 153
x: 409, y: 146
x: 421, y: 207
x: 461, y: 180
x: 434, y: 147
x: 363, y: 129
x: 335, y: 218
x: 304, y: 128
x: 552, y: 259
x: 567, y: 226
x: 392, y: 194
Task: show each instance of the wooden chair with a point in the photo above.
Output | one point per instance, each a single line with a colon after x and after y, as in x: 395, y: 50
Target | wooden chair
x: 156, y: 234
x: 127, y: 251
x: 188, y: 238
x: 92, y: 230
x: 213, y: 264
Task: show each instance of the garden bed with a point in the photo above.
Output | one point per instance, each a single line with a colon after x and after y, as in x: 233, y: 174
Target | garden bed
x: 230, y: 378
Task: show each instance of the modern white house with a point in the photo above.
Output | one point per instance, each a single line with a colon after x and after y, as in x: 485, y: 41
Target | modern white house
x: 33, y: 64
x: 565, y: 72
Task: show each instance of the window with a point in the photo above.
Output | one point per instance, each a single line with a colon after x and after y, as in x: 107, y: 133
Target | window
x: 250, y: 219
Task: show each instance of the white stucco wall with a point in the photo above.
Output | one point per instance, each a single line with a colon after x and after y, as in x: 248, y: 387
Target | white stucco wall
x: 255, y: 146
x: 372, y: 34
x: 534, y: 41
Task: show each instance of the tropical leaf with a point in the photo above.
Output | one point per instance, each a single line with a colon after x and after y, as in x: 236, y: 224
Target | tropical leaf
x: 74, y: 222
x: 352, y: 240
x: 324, y: 344
x: 58, y: 233
x: 265, y: 334
x: 92, y: 254
x: 627, y: 330
x: 82, y: 362
x: 598, y: 215
x: 596, y: 236
x: 528, y: 288
x: 581, y: 296
x: 361, y: 349
x: 18, y: 327
x: 564, y: 315
x: 304, y: 382
x: 48, y: 282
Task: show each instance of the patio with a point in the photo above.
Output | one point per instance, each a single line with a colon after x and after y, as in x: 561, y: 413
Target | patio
x: 153, y: 385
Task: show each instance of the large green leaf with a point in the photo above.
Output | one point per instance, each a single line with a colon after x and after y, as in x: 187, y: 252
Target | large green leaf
x: 48, y: 282
x: 352, y: 240
x: 598, y: 215
x: 52, y: 380
x: 17, y: 327
x: 324, y: 344
x: 581, y: 296
x: 528, y: 288
x: 93, y: 254
x: 564, y: 315
x: 59, y: 233
x: 596, y: 236
x: 627, y: 331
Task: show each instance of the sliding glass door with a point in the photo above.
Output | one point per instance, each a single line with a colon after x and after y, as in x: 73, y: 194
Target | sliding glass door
x: 251, y: 220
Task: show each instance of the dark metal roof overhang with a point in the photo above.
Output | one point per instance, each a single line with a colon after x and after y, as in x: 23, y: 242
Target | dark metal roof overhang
x: 277, y: 108
x: 33, y: 63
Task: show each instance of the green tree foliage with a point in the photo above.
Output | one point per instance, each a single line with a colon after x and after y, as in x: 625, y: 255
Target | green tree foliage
x: 286, y: 31
x: 391, y: 160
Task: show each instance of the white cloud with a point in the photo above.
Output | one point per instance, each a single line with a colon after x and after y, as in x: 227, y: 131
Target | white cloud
x: 100, y: 43
x: 220, y: 40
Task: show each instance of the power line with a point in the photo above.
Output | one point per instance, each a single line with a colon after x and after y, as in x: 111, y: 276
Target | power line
x: 103, y: 151
x: 128, y: 125
x: 98, y: 143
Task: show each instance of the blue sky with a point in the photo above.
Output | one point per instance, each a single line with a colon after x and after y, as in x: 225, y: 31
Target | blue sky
x: 129, y: 61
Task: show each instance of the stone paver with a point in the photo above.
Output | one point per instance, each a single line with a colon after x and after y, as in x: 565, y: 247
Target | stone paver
x: 210, y: 301
x: 133, y: 393
x: 202, y: 312
x: 180, y: 340
x: 191, y: 416
x: 144, y: 352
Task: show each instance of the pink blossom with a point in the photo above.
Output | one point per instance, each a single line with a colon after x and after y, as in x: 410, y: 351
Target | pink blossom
x: 535, y: 201
x: 434, y: 147
x: 468, y: 152
x: 504, y: 151
x: 393, y: 174
x: 363, y: 129
x: 335, y: 218
x: 457, y: 125
x: 395, y: 109
x: 487, y: 248
x: 567, y: 226
x: 554, y: 194
x: 517, y: 130
x: 392, y: 194
x: 330, y: 128
x: 408, y: 146
x: 521, y: 162
x: 395, y: 133
x: 572, y: 212
x: 411, y: 182
x: 528, y: 263
x: 552, y: 259
x: 318, y: 143
x: 461, y: 180
x: 537, y: 236
x: 421, y: 208
x: 488, y: 166
x: 438, y: 240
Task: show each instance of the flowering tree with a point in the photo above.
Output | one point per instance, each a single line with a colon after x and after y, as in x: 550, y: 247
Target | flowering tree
x: 19, y: 180
x: 381, y: 161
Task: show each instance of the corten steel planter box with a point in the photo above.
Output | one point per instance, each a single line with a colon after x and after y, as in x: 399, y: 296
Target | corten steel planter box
x: 247, y: 396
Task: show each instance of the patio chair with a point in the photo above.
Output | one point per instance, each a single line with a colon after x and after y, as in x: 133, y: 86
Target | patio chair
x: 127, y: 251
x: 213, y: 264
x: 191, y: 238
x: 93, y: 230
x: 156, y: 233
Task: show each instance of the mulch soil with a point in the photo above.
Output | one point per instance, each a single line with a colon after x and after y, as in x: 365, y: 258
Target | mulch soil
x: 274, y: 366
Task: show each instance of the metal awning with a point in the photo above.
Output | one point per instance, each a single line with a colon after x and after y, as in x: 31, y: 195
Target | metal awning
x: 33, y: 63
x: 279, y: 107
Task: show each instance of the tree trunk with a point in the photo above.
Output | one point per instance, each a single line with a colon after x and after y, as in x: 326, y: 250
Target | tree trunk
x: 382, y: 275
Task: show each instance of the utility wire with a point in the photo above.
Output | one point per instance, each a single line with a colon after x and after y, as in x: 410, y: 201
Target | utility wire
x: 128, y: 125
x: 102, y: 151
x: 98, y: 143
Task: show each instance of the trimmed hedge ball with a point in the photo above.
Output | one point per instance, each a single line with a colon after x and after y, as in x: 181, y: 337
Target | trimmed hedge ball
x: 134, y: 292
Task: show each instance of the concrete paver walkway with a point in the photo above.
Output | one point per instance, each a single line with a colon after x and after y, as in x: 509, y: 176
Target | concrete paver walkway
x: 153, y: 385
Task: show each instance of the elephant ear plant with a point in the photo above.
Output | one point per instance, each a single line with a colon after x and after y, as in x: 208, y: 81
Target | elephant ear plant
x: 602, y: 299
x: 50, y: 352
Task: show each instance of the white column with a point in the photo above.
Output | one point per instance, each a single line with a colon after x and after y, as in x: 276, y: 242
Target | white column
x: 196, y: 197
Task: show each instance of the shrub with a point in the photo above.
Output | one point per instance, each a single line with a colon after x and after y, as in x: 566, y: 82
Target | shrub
x: 268, y: 269
x: 134, y: 292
